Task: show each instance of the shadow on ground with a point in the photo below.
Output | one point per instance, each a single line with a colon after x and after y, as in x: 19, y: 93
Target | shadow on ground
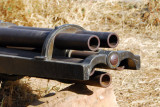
x: 79, y: 89
x: 75, y: 88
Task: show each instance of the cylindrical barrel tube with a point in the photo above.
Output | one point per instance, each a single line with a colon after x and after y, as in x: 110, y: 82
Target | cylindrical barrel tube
x: 77, y: 41
x: 80, y: 54
x: 65, y: 59
x: 21, y: 37
x: 107, y: 39
x: 30, y: 28
x: 99, y: 79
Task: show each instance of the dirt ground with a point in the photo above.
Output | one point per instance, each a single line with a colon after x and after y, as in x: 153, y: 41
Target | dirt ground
x: 138, y: 26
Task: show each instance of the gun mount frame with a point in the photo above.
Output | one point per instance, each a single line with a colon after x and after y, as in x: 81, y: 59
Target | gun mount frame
x: 53, y: 63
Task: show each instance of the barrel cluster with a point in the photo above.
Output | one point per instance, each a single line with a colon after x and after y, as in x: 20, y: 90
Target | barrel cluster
x: 86, y: 42
x: 68, y: 46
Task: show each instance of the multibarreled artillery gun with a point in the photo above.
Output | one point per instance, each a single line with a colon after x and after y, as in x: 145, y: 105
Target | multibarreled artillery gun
x: 68, y: 53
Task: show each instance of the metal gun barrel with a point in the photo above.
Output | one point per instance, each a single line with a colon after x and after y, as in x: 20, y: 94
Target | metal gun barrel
x: 79, y: 54
x: 76, y: 60
x: 30, y: 28
x: 107, y: 39
x: 99, y: 79
x: 36, y: 38
x: 21, y: 37
x: 77, y: 41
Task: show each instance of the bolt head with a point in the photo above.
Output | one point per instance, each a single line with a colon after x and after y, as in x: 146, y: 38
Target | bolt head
x: 114, y: 59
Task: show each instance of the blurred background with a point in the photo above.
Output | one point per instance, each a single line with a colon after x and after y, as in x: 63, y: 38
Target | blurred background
x: 137, y: 23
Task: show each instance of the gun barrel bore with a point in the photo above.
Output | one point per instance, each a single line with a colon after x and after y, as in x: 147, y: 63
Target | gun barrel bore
x: 80, y: 54
x: 107, y: 39
x: 105, y: 80
x: 77, y: 41
x: 21, y: 37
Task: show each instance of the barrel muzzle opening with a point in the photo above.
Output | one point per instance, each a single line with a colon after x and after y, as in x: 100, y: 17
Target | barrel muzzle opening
x: 93, y: 43
x: 113, y: 40
x: 105, y: 80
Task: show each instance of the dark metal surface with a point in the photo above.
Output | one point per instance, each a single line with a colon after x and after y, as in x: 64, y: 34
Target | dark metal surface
x: 48, y: 46
x: 17, y: 52
x: 30, y: 28
x: 53, y: 69
x: 66, y: 59
x: 13, y: 65
x: 107, y: 39
x: 6, y: 77
x: 99, y: 79
x: 21, y: 37
x: 79, y: 54
x: 119, y: 58
x: 126, y: 59
x: 77, y: 41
